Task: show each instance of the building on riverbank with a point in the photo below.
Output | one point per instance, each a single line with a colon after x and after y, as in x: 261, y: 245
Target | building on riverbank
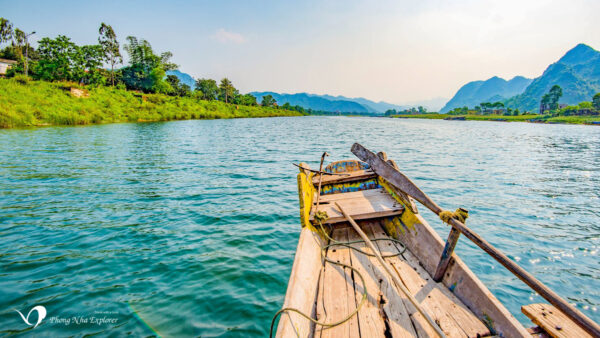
x: 5, y: 65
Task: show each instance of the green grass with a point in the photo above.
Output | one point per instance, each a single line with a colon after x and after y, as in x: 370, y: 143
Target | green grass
x: 36, y: 103
x: 519, y: 118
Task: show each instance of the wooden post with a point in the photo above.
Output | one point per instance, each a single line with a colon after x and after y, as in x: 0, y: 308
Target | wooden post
x: 403, y: 183
x: 446, y: 255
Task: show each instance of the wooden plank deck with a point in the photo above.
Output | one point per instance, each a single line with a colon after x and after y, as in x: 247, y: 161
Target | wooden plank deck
x: 386, y: 312
x: 364, y: 204
x: 554, y: 322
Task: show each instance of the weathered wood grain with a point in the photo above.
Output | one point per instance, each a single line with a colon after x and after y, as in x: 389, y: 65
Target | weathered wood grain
x: 302, y: 287
x: 352, y: 177
x: 364, y: 204
x: 554, y: 322
x: 338, y: 299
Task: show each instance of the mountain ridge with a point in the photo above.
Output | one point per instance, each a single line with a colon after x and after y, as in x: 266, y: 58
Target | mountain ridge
x: 492, y: 89
x: 577, y: 73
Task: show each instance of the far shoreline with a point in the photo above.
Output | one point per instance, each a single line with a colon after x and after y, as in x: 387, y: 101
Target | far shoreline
x: 530, y: 118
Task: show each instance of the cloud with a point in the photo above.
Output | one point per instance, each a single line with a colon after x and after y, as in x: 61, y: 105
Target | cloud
x: 224, y: 36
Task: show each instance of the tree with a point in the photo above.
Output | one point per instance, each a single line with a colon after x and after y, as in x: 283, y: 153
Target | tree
x: 178, y: 88
x: 248, y: 100
x: 56, y: 58
x: 596, y: 101
x: 6, y: 30
x: 227, y: 90
x: 554, y: 95
x: 173, y: 81
x: 268, y: 101
x: 208, y: 88
x: 110, y: 48
x: 146, y: 70
x: 87, y: 61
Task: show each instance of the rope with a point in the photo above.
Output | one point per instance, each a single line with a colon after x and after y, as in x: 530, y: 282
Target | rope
x: 320, y: 217
x: 460, y: 215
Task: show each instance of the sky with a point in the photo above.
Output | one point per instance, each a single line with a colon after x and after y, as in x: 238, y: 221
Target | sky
x: 396, y: 51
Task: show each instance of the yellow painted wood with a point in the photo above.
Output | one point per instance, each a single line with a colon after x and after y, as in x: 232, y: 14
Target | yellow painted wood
x: 306, y: 193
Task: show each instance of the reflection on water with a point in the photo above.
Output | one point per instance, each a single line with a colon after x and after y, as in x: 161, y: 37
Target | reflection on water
x: 189, y: 228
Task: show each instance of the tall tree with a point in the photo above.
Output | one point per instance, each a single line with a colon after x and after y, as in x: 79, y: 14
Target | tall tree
x: 56, y: 58
x: 146, y: 70
x: 111, y: 49
x: 227, y: 90
x: 268, y: 101
x: 6, y: 30
x: 208, y: 88
x: 555, y: 94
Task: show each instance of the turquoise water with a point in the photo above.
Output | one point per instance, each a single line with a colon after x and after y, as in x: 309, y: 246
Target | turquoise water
x: 189, y: 228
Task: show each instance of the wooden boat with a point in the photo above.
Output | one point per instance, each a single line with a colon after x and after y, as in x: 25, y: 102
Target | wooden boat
x: 459, y: 303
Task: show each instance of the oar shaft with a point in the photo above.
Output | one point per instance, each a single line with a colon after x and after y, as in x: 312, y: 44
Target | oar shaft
x: 394, y: 276
x: 400, y: 181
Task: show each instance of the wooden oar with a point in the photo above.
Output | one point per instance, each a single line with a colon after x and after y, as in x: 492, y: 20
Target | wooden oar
x: 403, y: 183
x: 394, y: 276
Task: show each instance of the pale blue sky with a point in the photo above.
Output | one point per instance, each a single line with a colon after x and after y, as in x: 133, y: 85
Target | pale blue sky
x: 396, y: 51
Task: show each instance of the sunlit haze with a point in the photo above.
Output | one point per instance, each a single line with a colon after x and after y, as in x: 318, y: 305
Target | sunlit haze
x: 397, y: 51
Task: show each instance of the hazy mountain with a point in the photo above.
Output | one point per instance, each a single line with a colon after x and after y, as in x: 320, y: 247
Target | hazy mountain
x: 433, y: 105
x: 577, y: 72
x: 491, y: 90
x: 379, y: 107
x: 318, y: 102
x: 183, y: 77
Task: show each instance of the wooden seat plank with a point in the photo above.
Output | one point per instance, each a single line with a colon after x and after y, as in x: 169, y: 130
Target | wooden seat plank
x: 336, y: 297
x: 553, y: 321
x: 352, y: 177
x: 364, y: 204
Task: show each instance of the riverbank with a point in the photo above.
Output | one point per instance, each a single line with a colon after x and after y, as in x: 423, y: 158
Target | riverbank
x: 37, y: 103
x: 534, y: 118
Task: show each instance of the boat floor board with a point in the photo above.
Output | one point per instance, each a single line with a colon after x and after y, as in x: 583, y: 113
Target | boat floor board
x: 334, y: 304
x: 365, y: 204
x: 387, y: 311
x: 354, y: 176
x: 553, y: 321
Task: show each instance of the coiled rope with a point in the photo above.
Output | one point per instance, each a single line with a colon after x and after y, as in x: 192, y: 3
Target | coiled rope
x: 320, y: 217
x: 460, y: 215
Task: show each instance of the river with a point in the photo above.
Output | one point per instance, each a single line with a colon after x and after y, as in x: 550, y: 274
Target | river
x: 189, y: 228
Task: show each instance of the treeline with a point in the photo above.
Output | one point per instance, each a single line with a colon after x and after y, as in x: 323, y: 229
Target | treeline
x: 410, y: 111
x: 60, y: 59
x: 549, y: 106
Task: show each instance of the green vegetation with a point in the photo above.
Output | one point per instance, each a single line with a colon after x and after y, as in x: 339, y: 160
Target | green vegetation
x: 39, y: 103
x: 140, y: 91
x: 553, y: 112
x: 413, y: 110
x: 518, y: 118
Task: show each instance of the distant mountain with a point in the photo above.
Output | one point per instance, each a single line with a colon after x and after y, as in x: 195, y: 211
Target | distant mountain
x: 491, y: 90
x: 577, y: 72
x: 183, y: 77
x: 379, y: 107
x: 318, y: 102
x: 433, y: 105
